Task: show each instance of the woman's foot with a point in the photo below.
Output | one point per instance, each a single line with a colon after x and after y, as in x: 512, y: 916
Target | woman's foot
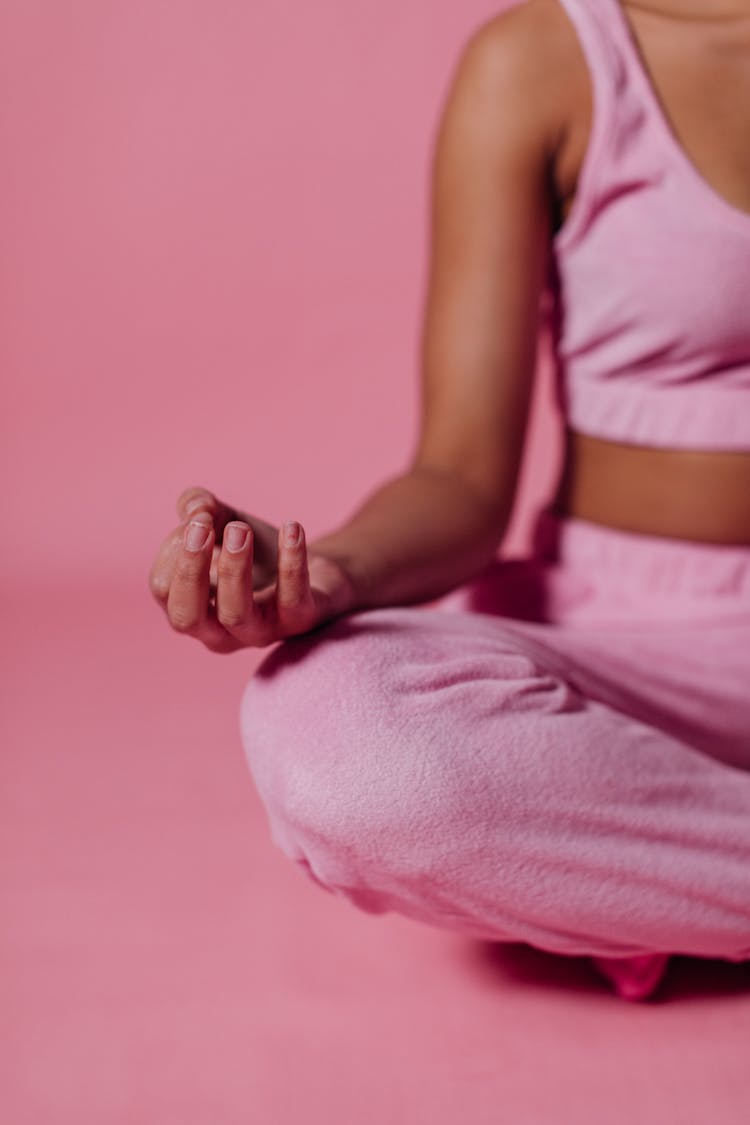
x: 634, y: 978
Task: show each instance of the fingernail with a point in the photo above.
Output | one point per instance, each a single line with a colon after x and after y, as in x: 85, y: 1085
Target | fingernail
x: 196, y: 536
x: 236, y: 537
x: 194, y: 505
x: 291, y: 533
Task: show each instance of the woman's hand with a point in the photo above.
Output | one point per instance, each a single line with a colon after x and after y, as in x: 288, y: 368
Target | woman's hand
x: 268, y: 589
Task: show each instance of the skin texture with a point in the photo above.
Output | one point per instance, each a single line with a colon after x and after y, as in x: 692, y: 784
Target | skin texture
x: 267, y: 590
x: 514, y: 127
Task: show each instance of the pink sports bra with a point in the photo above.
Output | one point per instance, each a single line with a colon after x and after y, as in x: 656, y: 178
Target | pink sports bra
x: 648, y: 291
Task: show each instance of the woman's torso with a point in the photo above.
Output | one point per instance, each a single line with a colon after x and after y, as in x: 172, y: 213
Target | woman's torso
x: 699, y: 63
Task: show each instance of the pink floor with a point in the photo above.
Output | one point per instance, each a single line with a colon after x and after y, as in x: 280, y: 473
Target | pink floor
x: 162, y: 963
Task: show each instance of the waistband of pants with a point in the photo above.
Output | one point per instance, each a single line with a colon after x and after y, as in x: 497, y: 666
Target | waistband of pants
x: 660, y: 564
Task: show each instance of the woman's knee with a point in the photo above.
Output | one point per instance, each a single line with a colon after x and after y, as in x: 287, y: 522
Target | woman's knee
x: 317, y: 722
x: 395, y: 725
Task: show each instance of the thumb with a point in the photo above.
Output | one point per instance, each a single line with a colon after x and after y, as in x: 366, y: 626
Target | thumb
x: 198, y: 499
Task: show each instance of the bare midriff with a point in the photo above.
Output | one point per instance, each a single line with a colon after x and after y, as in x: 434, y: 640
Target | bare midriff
x: 679, y: 493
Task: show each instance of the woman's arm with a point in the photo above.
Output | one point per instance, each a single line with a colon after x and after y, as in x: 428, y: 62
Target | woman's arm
x: 417, y: 537
x: 433, y: 527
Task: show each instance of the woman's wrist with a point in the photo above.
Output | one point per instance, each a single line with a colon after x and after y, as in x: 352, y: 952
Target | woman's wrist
x: 336, y: 579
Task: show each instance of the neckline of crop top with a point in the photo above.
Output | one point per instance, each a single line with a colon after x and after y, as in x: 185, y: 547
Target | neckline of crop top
x: 620, y: 29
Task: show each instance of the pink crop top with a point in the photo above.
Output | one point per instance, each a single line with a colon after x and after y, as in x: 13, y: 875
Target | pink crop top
x: 648, y: 291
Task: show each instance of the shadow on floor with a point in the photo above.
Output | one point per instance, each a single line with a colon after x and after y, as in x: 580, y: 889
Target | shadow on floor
x: 687, y: 978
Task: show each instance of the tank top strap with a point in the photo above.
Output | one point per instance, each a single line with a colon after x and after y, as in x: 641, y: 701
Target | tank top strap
x: 621, y: 115
x: 611, y: 47
x: 606, y: 37
x: 618, y: 30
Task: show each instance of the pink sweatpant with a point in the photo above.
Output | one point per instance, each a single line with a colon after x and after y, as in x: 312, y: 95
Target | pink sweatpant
x: 556, y: 753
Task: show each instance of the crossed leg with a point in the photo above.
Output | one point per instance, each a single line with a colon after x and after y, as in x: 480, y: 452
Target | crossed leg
x: 424, y: 762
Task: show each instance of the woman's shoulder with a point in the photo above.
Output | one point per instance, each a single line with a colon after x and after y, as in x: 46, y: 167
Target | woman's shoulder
x: 531, y: 31
x: 531, y: 50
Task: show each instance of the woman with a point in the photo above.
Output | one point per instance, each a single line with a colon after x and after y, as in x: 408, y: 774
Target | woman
x: 558, y: 752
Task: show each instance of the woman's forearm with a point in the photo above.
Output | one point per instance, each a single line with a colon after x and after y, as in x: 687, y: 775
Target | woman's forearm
x: 416, y: 538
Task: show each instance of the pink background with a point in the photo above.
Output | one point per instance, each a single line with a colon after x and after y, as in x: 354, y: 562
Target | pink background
x: 213, y: 222
x: 214, y: 225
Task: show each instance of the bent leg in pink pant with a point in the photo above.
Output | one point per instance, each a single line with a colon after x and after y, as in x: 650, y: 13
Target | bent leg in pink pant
x: 507, y: 777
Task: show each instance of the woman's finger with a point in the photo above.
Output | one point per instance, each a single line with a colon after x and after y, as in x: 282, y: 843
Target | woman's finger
x: 193, y: 500
x: 160, y: 575
x: 294, y: 600
x: 265, y: 535
x: 187, y: 603
x: 235, y: 608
